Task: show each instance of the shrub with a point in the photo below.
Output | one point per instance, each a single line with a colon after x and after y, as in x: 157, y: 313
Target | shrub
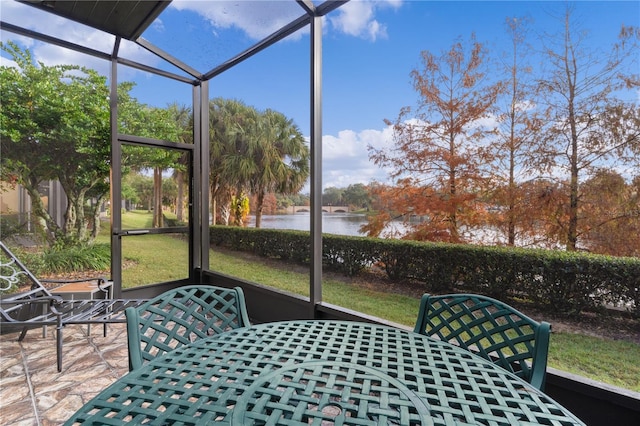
x: 565, y: 282
x: 77, y: 258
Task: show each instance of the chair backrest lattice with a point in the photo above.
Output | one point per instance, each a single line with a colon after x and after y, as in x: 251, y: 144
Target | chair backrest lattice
x: 182, y: 316
x: 491, y: 329
x: 14, y: 273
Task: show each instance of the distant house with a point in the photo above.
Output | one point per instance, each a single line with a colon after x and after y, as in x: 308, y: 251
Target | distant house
x: 15, y: 203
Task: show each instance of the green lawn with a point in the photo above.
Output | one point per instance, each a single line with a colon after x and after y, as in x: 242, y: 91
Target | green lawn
x: 609, y: 361
x: 145, y: 257
x: 614, y: 362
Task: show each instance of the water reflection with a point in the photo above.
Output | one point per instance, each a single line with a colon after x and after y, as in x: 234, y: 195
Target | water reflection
x: 332, y: 223
x: 350, y: 223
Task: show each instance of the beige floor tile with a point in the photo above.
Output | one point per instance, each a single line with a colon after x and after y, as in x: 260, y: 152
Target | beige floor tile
x: 40, y: 395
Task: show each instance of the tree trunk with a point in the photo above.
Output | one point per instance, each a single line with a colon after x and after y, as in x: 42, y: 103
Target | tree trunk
x: 81, y: 225
x: 572, y: 231
x: 69, y: 217
x: 51, y: 228
x: 96, y: 225
x: 454, y: 237
x: 225, y: 214
x: 259, y: 207
x: 180, y: 201
x: 75, y: 227
x: 157, y: 198
x: 511, y: 221
x: 214, y: 212
x: 572, y: 75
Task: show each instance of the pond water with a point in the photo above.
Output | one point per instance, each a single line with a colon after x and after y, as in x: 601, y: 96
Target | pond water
x: 350, y: 223
x: 332, y: 223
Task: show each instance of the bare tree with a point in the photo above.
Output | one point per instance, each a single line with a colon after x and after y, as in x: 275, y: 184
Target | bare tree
x: 513, y: 151
x: 587, y: 130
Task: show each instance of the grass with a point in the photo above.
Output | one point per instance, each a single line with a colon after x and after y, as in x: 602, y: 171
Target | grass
x: 614, y: 362
x: 137, y: 219
x: 150, y: 258
x: 609, y: 361
x: 393, y: 307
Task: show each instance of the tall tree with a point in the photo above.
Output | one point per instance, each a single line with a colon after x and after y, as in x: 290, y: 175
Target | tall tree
x: 181, y: 114
x: 138, y: 189
x: 514, y: 156
x: 437, y: 161
x: 332, y: 196
x: 230, y: 167
x: 253, y: 151
x: 357, y: 196
x: 157, y: 123
x: 54, y: 125
x: 280, y: 156
x: 587, y: 128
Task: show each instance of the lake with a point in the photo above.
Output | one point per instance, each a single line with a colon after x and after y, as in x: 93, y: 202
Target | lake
x: 332, y: 223
x: 349, y: 224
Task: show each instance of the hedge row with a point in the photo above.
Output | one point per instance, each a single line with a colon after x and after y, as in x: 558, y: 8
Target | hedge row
x: 565, y: 282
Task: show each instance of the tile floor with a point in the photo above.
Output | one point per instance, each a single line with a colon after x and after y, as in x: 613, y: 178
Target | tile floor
x: 32, y: 392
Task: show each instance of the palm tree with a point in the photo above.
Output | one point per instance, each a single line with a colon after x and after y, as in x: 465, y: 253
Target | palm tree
x: 280, y: 157
x: 230, y: 166
x: 253, y: 151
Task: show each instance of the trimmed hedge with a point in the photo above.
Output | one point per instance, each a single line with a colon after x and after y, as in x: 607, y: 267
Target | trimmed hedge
x: 565, y: 282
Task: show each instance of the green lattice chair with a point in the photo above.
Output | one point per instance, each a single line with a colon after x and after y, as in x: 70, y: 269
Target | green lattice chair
x: 491, y: 329
x: 181, y: 316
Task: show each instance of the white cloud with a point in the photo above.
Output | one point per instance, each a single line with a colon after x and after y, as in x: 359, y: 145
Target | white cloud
x: 257, y: 19
x: 50, y: 24
x: 489, y: 121
x: 6, y: 62
x: 158, y: 25
x: 345, y: 158
x: 344, y: 145
x: 357, y: 18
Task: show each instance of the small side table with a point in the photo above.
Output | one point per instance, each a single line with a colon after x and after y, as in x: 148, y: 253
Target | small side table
x: 83, y: 291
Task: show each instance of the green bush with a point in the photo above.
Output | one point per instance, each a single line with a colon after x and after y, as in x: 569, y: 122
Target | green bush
x: 9, y: 226
x: 77, y: 258
x: 565, y: 282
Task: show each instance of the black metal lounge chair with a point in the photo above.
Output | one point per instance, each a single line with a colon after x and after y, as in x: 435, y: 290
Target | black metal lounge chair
x: 38, y: 307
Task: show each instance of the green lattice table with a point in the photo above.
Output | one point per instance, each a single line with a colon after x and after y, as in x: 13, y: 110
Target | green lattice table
x: 321, y: 373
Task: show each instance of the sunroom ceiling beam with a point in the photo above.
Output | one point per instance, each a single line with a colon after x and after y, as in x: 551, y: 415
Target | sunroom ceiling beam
x: 4, y: 26
x: 124, y: 18
x: 308, y: 6
x: 281, y: 34
x: 168, y: 58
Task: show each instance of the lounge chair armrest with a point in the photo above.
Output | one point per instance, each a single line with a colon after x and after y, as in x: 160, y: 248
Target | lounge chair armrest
x: 40, y: 299
x: 79, y: 280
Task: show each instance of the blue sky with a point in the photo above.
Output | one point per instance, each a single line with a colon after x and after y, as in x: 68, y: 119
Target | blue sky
x: 369, y: 50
